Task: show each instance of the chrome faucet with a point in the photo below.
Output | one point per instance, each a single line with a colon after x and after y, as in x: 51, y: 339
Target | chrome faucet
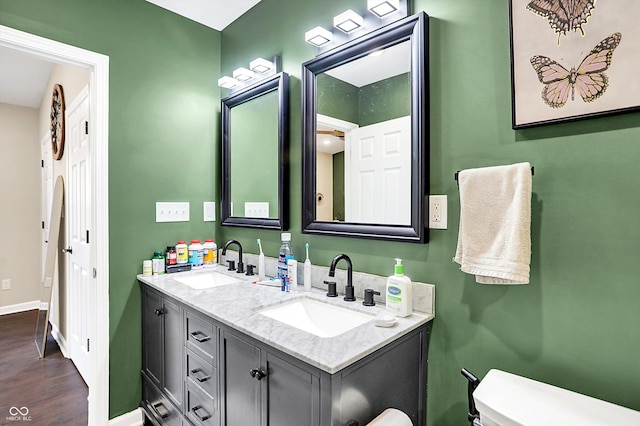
x: 240, y: 264
x: 348, y: 289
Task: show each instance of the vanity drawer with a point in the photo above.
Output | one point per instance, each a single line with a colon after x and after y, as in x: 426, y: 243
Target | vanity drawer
x: 202, y: 374
x: 202, y: 409
x: 159, y: 408
x: 202, y: 337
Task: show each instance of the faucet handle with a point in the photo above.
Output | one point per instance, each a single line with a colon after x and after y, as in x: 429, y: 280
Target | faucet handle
x: 232, y: 265
x: 332, y: 289
x: 368, y: 297
x: 250, y: 269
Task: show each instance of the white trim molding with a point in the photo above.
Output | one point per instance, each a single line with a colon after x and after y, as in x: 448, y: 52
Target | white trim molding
x: 98, y: 66
x: 60, y: 340
x: 132, y: 418
x: 19, y: 307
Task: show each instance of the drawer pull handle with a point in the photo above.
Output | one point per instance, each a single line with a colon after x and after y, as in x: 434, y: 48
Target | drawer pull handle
x: 163, y: 414
x: 202, y: 418
x: 202, y: 378
x: 203, y: 338
x: 257, y: 374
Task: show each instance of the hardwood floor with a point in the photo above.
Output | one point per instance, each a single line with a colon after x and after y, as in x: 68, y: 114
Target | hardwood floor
x: 50, y: 388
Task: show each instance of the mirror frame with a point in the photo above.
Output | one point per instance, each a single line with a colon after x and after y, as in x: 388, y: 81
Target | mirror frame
x: 280, y: 83
x: 415, y: 29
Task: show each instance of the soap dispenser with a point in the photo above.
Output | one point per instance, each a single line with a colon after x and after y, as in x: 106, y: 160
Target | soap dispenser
x: 399, y: 300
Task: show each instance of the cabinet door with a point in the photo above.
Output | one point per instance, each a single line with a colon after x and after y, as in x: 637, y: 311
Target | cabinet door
x: 152, y: 336
x: 291, y: 395
x: 173, y: 384
x: 240, y: 391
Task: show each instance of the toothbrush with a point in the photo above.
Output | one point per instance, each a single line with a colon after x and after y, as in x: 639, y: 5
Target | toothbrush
x: 261, y: 272
x: 307, y: 271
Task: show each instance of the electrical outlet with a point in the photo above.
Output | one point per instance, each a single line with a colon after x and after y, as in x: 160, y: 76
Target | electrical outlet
x: 438, y: 212
x: 209, y: 214
x: 172, y: 212
x: 6, y: 284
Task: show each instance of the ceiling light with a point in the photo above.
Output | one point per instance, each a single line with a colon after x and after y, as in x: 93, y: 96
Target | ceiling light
x: 227, y: 82
x: 260, y: 65
x: 242, y: 74
x: 348, y: 21
x: 318, y: 36
x: 382, y: 8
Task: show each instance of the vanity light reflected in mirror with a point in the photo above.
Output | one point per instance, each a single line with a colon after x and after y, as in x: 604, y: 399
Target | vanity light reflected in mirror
x: 365, y: 129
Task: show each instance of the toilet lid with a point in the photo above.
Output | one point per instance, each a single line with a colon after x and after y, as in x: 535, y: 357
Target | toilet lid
x: 506, y: 399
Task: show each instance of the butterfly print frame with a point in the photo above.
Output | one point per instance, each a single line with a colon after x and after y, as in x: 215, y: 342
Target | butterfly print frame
x: 573, y: 60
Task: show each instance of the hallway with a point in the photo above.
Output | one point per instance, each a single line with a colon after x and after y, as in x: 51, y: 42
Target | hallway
x: 47, y: 391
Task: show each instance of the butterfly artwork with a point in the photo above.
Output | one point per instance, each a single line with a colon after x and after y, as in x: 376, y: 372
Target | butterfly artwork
x: 588, y: 78
x: 563, y: 15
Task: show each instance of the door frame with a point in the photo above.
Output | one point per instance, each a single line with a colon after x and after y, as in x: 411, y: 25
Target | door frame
x: 98, y: 66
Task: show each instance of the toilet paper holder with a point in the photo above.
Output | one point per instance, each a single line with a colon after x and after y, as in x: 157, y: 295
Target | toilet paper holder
x: 473, y: 415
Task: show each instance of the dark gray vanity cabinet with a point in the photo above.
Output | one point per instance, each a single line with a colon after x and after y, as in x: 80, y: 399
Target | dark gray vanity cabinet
x: 260, y: 388
x: 162, y: 352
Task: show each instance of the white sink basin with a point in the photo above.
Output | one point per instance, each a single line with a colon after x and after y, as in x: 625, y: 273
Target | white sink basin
x: 203, y: 280
x: 315, y: 317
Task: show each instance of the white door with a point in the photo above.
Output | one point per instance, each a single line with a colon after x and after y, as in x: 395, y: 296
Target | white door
x: 378, y: 173
x: 46, y: 191
x: 80, y: 282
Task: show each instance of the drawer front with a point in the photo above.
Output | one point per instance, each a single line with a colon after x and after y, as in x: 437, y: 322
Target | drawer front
x: 202, y: 374
x: 202, y: 409
x: 202, y: 337
x: 158, y: 406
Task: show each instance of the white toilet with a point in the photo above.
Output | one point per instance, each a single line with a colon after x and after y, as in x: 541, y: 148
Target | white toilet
x: 504, y: 399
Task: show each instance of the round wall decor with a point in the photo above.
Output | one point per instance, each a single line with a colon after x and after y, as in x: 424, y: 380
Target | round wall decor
x: 57, y: 122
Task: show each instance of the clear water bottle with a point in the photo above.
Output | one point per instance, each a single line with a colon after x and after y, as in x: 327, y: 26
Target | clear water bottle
x: 285, y: 254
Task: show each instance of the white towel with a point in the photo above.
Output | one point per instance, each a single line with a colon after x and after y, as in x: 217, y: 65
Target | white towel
x: 494, y: 238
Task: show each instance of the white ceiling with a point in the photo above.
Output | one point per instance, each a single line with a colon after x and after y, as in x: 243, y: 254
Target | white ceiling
x: 216, y: 14
x: 23, y: 78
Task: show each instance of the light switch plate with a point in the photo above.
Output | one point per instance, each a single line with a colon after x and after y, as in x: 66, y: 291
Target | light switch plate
x: 438, y: 212
x: 6, y: 284
x: 209, y: 211
x: 256, y: 209
x: 172, y: 212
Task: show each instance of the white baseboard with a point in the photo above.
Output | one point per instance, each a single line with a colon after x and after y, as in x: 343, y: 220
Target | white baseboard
x: 62, y: 343
x: 19, y: 307
x: 132, y: 418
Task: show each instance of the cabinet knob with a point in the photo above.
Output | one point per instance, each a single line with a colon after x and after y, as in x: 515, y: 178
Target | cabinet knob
x: 159, y: 311
x: 257, y: 374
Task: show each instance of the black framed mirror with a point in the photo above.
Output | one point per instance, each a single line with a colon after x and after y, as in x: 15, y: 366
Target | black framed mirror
x: 255, y: 144
x: 366, y: 136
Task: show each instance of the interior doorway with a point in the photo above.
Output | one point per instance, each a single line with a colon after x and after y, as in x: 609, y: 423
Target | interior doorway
x: 98, y: 67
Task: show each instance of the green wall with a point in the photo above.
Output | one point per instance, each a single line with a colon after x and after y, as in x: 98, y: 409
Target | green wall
x: 337, y: 98
x: 576, y: 324
x: 163, y: 129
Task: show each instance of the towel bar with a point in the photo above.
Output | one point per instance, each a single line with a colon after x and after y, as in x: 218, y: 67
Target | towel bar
x: 456, y: 174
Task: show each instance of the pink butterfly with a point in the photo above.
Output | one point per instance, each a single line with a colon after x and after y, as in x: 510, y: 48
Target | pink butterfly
x: 589, y: 79
x: 563, y: 15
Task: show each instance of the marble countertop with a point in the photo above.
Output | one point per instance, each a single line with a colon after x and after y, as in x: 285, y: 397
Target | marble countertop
x: 236, y: 305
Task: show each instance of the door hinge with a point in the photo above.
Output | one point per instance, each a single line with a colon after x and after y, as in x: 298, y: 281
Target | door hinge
x: 87, y: 236
x: 86, y: 127
x: 95, y: 273
x: 42, y: 163
x: 87, y: 345
x: 43, y: 224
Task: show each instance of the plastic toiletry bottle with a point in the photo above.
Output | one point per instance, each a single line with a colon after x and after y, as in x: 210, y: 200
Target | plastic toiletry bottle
x: 284, y: 255
x: 182, y: 252
x: 157, y: 263
x: 171, y: 257
x: 209, y: 249
x: 261, y: 267
x: 307, y: 271
x: 196, y: 254
x: 292, y: 275
x: 399, y: 300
